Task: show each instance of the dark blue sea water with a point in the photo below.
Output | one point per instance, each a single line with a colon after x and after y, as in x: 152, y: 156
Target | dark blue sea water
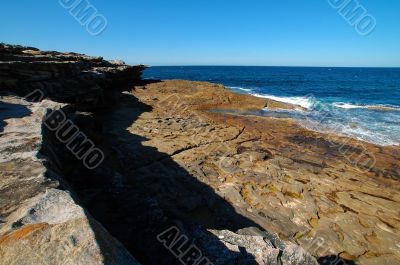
x: 363, y: 103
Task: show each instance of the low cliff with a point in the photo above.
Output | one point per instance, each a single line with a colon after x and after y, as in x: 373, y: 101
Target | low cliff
x: 63, y: 77
x: 41, y: 219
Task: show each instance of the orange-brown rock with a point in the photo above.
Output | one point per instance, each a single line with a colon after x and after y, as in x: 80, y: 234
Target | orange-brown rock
x: 305, y: 186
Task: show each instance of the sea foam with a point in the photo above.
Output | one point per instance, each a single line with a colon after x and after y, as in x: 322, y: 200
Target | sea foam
x: 305, y: 102
x: 381, y: 107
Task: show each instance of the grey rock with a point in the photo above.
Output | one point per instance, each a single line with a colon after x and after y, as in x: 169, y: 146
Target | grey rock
x: 41, y: 222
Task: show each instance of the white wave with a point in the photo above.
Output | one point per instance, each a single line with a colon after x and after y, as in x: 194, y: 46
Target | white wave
x: 356, y: 132
x: 305, y: 102
x: 344, y: 105
x: 240, y: 88
x: 373, y: 137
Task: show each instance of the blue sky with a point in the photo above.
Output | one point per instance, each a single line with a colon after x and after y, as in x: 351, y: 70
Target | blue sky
x: 211, y: 32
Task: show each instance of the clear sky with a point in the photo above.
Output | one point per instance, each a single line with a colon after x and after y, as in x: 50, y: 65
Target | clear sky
x: 211, y: 32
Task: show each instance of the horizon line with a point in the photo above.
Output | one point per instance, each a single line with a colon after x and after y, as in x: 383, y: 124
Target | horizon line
x: 288, y: 66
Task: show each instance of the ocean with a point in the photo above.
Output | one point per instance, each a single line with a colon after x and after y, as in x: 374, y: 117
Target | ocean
x: 362, y: 103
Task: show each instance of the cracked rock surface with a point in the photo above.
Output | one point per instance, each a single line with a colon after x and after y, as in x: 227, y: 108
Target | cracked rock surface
x: 292, y: 182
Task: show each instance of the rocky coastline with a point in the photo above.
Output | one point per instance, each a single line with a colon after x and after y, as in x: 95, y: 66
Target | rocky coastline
x: 228, y: 188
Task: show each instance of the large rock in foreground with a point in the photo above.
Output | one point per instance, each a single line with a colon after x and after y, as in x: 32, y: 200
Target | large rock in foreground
x: 40, y: 222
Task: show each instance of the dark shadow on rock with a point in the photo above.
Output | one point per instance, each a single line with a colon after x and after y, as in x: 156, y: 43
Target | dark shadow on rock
x: 11, y: 111
x: 139, y: 192
x: 334, y: 260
